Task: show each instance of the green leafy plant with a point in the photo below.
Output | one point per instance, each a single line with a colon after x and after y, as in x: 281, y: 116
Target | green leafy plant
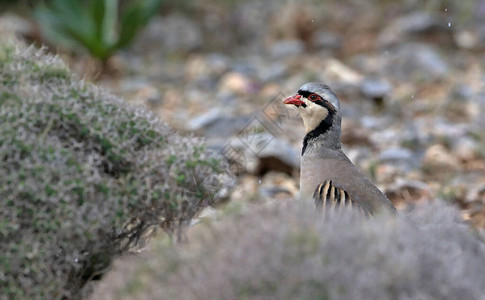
x: 96, y: 25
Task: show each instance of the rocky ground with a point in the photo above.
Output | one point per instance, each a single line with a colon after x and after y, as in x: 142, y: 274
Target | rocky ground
x: 410, y: 79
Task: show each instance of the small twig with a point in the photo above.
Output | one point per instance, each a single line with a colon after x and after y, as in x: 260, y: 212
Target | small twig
x: 48, y: 127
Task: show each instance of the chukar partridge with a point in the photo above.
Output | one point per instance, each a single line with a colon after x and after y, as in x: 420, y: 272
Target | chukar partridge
x: 327, y: 174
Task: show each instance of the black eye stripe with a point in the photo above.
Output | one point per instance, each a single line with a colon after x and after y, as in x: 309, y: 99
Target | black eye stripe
x: 305, y: 94
x: 308, y: 95
x: 321, y: 101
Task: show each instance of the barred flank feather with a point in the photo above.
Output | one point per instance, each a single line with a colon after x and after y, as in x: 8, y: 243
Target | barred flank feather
x: 327, y: 195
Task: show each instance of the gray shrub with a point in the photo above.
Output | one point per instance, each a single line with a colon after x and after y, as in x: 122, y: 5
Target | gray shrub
x: 289, y: 252
x: 83, y: 176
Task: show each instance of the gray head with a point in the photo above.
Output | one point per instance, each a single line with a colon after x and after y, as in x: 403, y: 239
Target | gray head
x: 323, y: 90
x: 319, y: 108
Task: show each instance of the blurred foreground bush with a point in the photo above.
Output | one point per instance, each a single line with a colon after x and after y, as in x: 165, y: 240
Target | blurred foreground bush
x: 83, y: 176
x: 95, y: 25
x: 288, y: 252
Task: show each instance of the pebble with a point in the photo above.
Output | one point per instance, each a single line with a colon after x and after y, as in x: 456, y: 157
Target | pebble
x: 416, y: 61
x: 260, y: 153
x: 12, y: 26
x: 173, y: 32
x: 272, y: 72
x: 278, y: 155
x: 327, y: 40
x: 338, y: 71
x: 205, y: 119
x: 437, y: 159
x: 375, y: 88
x: 466, y: 149
x: 211, y: 66
x: 396, y: 154
x: 236, y: 83
x: 387, y: 173
x: 409, y: 191
x: 353, y: 133
x: 419, y: 24
x: 288, y: 48
x: 214, y: 124
x: 274, y: 192
x: 467, y: 39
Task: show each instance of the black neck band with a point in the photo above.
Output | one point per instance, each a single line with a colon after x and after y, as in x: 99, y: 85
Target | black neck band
x: 323, y: 127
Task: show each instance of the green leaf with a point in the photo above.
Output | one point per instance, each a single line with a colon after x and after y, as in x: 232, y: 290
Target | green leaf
x: 105, y: 17
x: 90, y: 24
x: 134, y: 18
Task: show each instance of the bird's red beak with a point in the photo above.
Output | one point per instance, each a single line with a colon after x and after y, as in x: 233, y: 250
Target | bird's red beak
x: 295, y: 99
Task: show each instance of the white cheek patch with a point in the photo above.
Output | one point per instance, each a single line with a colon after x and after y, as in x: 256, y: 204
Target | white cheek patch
x: 312, y: 115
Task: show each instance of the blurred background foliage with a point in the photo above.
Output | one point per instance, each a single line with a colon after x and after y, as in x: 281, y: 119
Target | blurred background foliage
x: 99, y: 26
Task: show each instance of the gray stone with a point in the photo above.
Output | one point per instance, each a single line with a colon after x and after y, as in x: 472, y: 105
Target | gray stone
x: 278, y: 155
x: 327, y: 40
x: 340, y: 75
x: 252, y: 18
x: 218, y: 63
x: 374, y: 123
x: 132, y: 84
x: 260, y: 153
x: 360, y: 156
x: 215, y: 124
x: 247, y: 65
x: 174, y: 32
x: 396, y: 154
x: 206, y: 67
x: 287, y: 48
x: 14, y: 26
x: 204, y: 120
x: 375, y: 88
x: 439, y: 161
x: 226, y: 98
x: 452, y: 131
x: 272, y: 191
x: 416, y: 60
x: 413, y: 190
x: 394, y: 161
x: 481, y: 35
x: 467, y: 39
x: 273, y: 72
x: 466, y: 148
x: 419, y: 25
x: 235, y: 82
x: 462, y: 92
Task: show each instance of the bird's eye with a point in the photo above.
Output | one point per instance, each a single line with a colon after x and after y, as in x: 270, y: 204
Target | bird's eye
x: 313, y: 97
